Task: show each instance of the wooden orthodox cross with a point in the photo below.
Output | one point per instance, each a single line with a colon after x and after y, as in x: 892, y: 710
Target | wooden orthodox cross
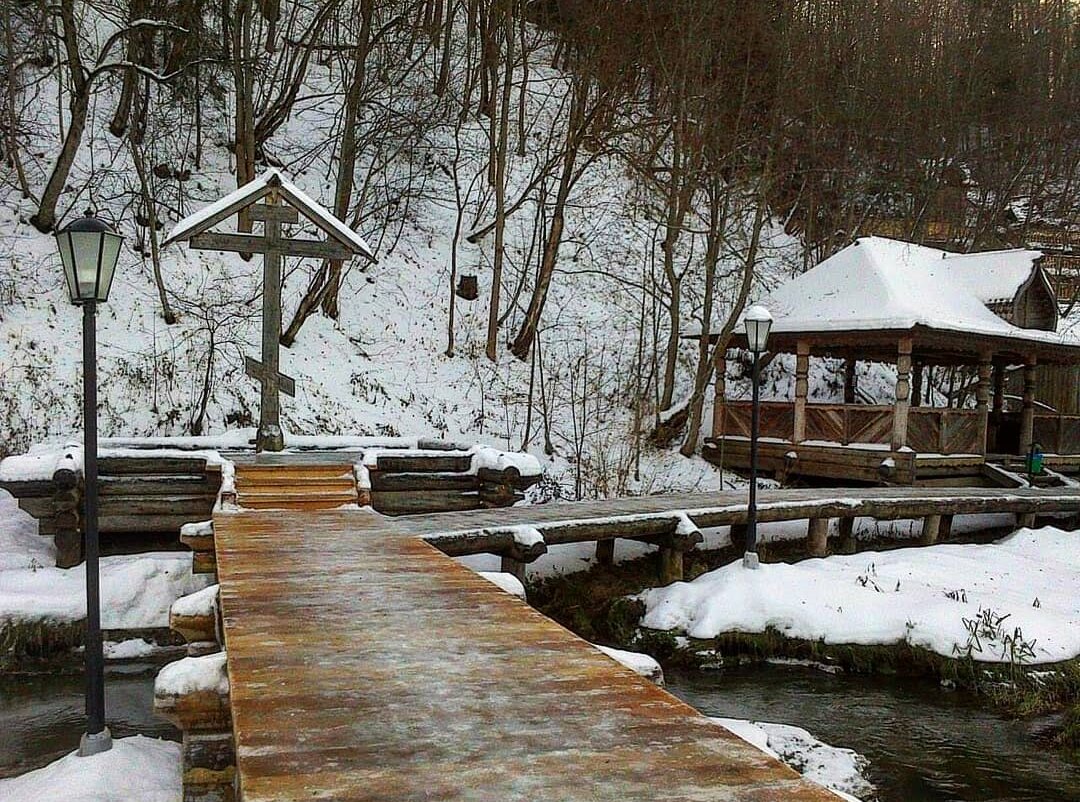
x: 282, y: 203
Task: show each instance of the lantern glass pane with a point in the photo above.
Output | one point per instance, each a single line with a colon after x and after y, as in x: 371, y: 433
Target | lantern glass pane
x: 67, y: 258
x: 110, y: 252
x: 86, y: 246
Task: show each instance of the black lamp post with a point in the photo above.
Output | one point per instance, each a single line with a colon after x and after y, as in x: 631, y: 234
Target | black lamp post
x: 758, y: 321
x: 89, y: 250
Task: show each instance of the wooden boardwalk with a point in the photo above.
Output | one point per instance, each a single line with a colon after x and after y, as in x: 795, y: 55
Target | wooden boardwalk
x: 366, y: 665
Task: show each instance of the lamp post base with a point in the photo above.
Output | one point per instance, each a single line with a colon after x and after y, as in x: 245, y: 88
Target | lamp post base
x: 95, y: 743
x: 750, y: 559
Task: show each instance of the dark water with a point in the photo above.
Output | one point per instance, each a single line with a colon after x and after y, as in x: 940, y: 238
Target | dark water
x: 41, y: 716
x: 925, y: 744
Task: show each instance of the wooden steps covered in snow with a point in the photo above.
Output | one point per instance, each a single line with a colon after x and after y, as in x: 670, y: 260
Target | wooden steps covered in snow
x: 374, y: 667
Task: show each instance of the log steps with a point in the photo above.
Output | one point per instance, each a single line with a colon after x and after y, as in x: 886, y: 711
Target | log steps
x: 193, y: 694
x: 304, y: 487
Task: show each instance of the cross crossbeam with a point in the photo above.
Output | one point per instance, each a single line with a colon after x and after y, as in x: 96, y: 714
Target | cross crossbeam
x: 254, y: 368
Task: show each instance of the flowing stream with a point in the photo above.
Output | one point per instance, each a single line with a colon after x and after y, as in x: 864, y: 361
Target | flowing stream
x: 924, y: 743
x: 41, y: 715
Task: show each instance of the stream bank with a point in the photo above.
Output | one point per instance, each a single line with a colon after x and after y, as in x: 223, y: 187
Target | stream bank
x: 600, y: 605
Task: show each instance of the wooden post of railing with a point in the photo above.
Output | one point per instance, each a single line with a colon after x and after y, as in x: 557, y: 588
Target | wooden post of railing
x: 982, y: 401
x: 817, y: 537
x: 999, y: 388
x: 903, y: 393
x: 719, y: 393
x: 850, y: 379
x: 1027, y: 411
x: 802, y: 370
x: 916, y: 385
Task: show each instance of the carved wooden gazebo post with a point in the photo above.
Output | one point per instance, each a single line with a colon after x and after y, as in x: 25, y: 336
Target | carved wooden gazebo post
x: 903, y: 393
x: 1027, y: 411
x: 999, y: 387
x: 802, y: 372
x: 719, y: 392
x: 982, y: 400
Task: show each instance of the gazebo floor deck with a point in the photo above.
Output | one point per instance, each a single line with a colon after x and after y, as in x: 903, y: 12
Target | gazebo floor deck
x: 366, y: 665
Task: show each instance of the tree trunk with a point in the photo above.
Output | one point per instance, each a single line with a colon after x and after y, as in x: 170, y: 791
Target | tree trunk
x: 707, y: 361
x: 150, y: 205
x: 44, y: 219
x: 501, y: 155
x: 524, y: 340
x: 347, y: 152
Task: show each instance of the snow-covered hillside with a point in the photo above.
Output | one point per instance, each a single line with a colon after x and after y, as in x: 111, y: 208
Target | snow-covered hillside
x: 382, y: 367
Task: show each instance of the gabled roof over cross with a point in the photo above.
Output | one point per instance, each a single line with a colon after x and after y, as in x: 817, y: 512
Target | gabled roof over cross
x: 348, y: 242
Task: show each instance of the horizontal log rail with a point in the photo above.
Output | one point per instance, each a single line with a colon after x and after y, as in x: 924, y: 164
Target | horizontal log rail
x: 661, y: 515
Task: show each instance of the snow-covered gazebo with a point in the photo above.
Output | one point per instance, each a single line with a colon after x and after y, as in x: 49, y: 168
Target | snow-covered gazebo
x: 883, y: 300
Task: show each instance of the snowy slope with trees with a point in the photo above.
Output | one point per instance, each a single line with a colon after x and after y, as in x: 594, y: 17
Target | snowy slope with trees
x: 607, y: 189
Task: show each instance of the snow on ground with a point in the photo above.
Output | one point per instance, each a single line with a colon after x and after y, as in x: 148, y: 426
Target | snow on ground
x: 637, y: 662
x: 136, y: 590
x: 21, y: 547
x: 992, y: 598
x: 136, y: 768
x: 840, y: 770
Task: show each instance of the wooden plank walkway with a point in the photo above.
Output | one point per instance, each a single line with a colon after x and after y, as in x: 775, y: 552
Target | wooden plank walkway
x: 366, y: 665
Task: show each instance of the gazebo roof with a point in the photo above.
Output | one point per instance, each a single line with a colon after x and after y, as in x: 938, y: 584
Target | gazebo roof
x: 865, y: 296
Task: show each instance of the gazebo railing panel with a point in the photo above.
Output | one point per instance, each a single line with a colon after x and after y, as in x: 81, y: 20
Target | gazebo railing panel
x: 777, y: 419
x: 945, y: 431
x: 1057, y: 434
x: 826, y: 422
x: 869, y: 424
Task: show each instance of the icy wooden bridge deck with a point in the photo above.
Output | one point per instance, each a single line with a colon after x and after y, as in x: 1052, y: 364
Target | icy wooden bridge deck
x: 365, y: 664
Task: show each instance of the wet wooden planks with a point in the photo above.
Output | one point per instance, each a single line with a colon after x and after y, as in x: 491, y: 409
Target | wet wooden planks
x: 366, y: 665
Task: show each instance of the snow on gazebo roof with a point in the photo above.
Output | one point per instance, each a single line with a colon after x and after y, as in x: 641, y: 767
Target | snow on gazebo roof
x: 211, y: 215
x: 879, y: 284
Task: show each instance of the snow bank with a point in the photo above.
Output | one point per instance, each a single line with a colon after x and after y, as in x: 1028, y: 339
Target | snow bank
x: 40, y: 463
x: 496, y: 460
x: 193, y: 674
x: 130, y: 649
x: 637, y: 662
x: 137, y: 768
x: 839, y: 770
x: 508, y: 582
x: 933, y: 597
x: 20, y: 544
x: 136, y: 590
